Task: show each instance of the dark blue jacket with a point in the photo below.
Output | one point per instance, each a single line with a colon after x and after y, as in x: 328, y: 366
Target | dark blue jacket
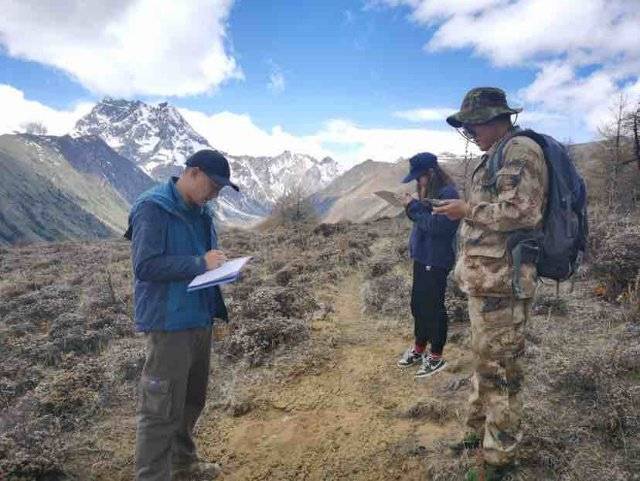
x: 432, y: 236
x: 169, y: 240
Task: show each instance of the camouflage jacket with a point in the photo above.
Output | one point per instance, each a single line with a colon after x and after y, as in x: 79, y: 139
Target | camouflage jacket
x: 514, y: 200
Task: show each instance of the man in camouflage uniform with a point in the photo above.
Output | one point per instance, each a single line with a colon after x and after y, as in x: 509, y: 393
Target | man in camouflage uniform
x: 499, y: 295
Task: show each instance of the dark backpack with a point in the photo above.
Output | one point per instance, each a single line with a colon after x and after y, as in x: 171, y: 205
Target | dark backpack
x: 564, y: 235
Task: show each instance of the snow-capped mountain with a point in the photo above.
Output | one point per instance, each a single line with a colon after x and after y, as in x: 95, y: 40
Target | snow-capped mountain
x: 269, y: 178
x: 158, y: 139
x: 263, y: 180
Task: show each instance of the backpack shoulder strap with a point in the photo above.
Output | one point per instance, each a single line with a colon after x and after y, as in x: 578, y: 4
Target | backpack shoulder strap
x: 533, y: 135
x: 524, y: 245
x: 494, y: 163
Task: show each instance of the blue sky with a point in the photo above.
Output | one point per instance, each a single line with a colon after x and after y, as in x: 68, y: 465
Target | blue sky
x: 351, y: 79
x: 340, y: 61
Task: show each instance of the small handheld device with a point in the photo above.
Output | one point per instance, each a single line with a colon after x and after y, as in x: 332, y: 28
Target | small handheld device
x: 391, y: 197
x: 436, y: 202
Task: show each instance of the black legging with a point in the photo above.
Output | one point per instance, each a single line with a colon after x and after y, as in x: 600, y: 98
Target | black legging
x: 427, y: 306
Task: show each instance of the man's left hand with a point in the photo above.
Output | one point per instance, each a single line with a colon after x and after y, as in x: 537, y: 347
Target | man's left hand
x: 454, y: 209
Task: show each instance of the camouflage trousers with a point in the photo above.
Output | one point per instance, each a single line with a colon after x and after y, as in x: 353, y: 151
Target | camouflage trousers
x: 495, y: 406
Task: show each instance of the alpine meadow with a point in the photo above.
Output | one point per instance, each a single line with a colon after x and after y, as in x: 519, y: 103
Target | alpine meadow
x: 439, y: 203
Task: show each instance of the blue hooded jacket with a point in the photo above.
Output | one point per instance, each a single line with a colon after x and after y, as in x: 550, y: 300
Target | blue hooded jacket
x: 169, y: 239
x: 432, y: 236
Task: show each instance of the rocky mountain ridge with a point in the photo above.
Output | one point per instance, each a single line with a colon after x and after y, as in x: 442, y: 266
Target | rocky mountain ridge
x: 158, y: 139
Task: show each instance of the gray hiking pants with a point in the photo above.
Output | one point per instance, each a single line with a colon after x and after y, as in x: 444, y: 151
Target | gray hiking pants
x: 171, y: 396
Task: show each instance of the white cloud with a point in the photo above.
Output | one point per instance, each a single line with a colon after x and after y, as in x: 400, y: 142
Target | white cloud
x: 17, y: 111
x: 558, y: 89
x: 237, y: 134
x: 348, y: 17
x: 511, y: 32
x: 561, y: 39
x: 340, y: 139
x: 528, y: 30
x: 384, y: 144
x: 276, y: 80
x: 426, y: 11
x: 424, y: 115
x: 125, y: 47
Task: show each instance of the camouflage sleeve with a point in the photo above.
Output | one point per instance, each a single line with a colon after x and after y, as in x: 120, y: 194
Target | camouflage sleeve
x: 520, y: 185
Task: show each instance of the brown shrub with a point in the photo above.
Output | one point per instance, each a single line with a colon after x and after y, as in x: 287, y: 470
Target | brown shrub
x: 546, y: 304
x: 616, y: 263
x: 264, y: 302
x: 431, y: 410
x: 600, y: 414
x: 327, y: 230
x: 379, y: 266
x: 71, y: 390
x: 387, y: 296
x: 26, y: 456
x: 17, y: 378
x: 252, y: 340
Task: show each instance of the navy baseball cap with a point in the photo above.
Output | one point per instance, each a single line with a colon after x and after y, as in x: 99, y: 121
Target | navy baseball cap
x: 419, y: 164
x: 214, y: 164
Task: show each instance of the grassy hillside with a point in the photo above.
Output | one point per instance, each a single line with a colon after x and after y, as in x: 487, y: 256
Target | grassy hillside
x: 91, y: 156
x: 45, y: 198
x: 304, y: 384
x: 351, y: 196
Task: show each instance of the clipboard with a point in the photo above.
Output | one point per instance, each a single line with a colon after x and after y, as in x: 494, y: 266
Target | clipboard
x: 225, y: 274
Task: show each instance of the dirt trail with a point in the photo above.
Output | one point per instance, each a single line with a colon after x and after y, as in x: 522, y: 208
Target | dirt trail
x: 345, y: 418
x: 344, y: 422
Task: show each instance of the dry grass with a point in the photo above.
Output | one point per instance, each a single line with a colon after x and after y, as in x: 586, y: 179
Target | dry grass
x: 583, y: 403
x: 62, y: 305
x: 617, y: 262
x: 431, y: 410
x: 253, y: 340
x: 67, y: 347
x: 69, y: 357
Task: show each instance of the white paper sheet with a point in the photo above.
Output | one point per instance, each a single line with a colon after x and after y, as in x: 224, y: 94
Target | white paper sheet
x: 227, y: 272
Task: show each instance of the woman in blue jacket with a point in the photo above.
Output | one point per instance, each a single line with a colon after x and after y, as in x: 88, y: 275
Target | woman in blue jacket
x: 432, y: 249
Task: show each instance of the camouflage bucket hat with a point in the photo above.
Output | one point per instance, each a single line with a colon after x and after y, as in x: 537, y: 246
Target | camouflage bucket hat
x: 480, y: 105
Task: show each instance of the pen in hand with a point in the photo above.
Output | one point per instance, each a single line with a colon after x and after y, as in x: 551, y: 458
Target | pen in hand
x: 214, y: 259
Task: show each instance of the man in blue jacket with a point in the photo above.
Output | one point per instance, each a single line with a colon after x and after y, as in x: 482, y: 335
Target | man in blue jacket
x: 432, y: 249
x: 174, y: 240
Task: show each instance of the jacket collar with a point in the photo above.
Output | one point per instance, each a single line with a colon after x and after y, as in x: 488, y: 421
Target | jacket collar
x: 496, y: 145
x: 180, y: 203
x: 508, y: 134
x: 168, y: 197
